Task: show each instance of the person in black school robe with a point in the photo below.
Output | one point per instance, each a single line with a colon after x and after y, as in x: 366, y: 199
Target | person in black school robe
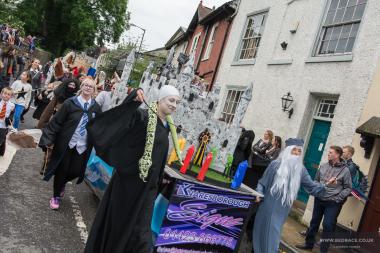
x: 61, y: 129
x: 242, y: 150
x: 123, y: 220
x: 41, y: 100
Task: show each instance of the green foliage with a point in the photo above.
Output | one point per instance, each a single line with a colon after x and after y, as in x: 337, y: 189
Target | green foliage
x: 212, y: 174
x: 140, y: 66
x: 7, y: 10
x: 75, y: 24
x: 113, y: 57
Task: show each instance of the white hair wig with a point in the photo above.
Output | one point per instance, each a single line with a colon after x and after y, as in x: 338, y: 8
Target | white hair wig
x: 287, y: 180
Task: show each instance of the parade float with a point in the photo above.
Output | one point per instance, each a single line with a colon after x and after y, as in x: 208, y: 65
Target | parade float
x: 200, y: 207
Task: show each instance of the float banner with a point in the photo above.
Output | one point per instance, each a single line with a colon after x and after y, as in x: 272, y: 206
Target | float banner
x: 203, y: 219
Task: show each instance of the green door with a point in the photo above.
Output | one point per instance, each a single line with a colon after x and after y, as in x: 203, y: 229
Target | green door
x: 314, y: 151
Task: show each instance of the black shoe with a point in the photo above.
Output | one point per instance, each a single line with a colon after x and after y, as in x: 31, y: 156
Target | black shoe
x: 304, y: 246
x: 303, y: 233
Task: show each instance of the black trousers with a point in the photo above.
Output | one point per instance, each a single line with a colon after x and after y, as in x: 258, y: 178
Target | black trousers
x: 70, y: 168
x: 3, y: 140
x: 329, y: 211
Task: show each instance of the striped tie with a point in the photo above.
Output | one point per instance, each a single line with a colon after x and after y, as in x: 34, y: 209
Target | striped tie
x: 82, y: 130
x: 3, y: 111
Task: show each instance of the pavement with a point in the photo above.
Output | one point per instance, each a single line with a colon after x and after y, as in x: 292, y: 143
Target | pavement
x: 290, y: 237
x: 27, y: 223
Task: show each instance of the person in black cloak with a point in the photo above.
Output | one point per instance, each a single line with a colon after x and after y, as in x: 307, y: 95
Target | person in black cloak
x: 67, y: 132
x: 135, y: 143
x: 42, y: 99
x: 65, y: 90
x: 242, y: 150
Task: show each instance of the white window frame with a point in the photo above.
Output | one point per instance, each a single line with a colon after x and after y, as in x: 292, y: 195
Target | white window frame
x: 352, y: 35
x: 228, y: 111
x: 194, y: 44
x: 254, y: 38
x: 324, y: 101
x: 210, y: 43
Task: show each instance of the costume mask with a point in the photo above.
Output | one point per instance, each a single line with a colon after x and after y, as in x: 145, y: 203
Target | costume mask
x: 71, y: 87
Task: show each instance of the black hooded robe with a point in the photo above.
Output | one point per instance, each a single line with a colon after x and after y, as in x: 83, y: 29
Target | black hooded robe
x: 122, y: 223
x: 41, y: 104
x: 61, y: 93
x: 242, y: 150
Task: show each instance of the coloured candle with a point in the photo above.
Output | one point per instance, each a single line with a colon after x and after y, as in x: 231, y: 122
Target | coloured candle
x: 239, y: 175
x: 187, y: 160
x: 206, y: 164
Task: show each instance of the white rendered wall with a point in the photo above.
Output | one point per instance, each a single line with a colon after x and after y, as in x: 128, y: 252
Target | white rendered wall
x: 350, y: 80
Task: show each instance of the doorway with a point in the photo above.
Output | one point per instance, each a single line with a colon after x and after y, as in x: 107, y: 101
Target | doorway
x: 314, y: 151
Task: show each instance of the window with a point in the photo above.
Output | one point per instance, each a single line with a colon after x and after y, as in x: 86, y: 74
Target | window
x: 231, y: 103
x: 326, y: 108
x: 340, y: 27
x: 210, y: 42
x: 194, y: 45
x: 252, y: 36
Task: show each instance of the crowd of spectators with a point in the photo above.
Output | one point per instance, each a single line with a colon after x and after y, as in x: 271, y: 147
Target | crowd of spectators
x: 11, y: 36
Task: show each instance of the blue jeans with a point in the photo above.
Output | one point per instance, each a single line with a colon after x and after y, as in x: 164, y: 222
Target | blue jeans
x: 329, y: 211
x: 16, y: 118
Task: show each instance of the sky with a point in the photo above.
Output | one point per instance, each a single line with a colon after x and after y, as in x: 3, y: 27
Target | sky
x: 160, y: 19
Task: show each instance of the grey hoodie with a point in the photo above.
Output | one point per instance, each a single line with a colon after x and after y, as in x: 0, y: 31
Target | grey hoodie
x: 335, y: 192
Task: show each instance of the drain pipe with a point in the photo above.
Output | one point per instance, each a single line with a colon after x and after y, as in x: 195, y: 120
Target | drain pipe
x: 230, y: 20
x: 202, y: 49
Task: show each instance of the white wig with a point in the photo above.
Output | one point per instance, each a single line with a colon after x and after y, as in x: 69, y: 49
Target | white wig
x: 167, y: 90
x: 287, y: 180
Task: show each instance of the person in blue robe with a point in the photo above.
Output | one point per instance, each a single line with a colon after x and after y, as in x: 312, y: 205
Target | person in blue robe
x: 279, y: 185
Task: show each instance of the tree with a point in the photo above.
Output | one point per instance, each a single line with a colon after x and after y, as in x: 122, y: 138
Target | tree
x: 74, y: 24
x: 7, y: 10
x: 114, y: 57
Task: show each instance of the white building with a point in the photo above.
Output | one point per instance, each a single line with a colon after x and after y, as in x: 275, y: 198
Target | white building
x: 179, y: 41
x: 324, y: 52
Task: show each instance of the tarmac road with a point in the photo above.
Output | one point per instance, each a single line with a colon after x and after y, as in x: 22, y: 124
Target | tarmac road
x: 27, y: 224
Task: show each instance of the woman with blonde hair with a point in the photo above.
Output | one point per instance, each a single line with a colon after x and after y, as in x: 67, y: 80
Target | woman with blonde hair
x: 66, y: 136
x: 257, y: 161
x: 264, y: 144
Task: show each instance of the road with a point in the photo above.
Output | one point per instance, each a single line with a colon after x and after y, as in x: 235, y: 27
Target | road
x: 27, y: 223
